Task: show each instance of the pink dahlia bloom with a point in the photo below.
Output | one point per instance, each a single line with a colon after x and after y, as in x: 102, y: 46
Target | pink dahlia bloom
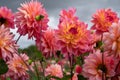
x: 111, y: 40
x: 6, y: 17
x: 7, y: 44
x: 31, y: 19
x: 93, y: 67
x: 72, y: 35
x: 54, y: 70
x: 75, y: 77
x: 68, y: 15
x: 47, y: 43
x: 103, y: 19
x: 17, y: 67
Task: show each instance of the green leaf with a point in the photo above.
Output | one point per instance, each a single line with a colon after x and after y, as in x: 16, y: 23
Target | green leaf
x: 39, y: 56
x: 57, y: 78
x: 8, y: 79
x: 3, y: 67
x: 80, y: 77
x: 33, y: 53
x: 79, y: 60
x: 99, y: 44
x: 58, y: 53
x: 66, y: 77
x: 102, y: 49
x: 32, y: 76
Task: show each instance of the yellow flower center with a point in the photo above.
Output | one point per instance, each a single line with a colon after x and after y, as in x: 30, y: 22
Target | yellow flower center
x: 72, y: 34
x: 2, y: 43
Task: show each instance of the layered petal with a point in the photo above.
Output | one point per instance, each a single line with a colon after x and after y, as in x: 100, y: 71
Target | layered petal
x: 94, y: 65
x: 103, y: 19
x: 31, y: 19
x: 6, y: 17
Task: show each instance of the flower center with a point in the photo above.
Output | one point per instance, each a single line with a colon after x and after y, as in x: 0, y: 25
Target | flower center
x: 1, y: 43
x: 2, y: 20
x: 102, y: 68
x: 73, y: 31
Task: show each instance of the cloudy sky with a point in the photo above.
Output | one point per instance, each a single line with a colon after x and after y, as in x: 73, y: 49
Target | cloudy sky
x: 85, y: 9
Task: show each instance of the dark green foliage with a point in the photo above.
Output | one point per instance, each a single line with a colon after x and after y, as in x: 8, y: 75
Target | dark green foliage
x: 99, y: 44
x: 3, y: 67
x: 66, y: 77
x: 80, y: 77
x: 33, y: 53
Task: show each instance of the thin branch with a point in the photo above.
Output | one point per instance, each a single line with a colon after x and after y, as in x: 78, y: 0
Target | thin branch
x: 18, y: 39
x: 70, y: 60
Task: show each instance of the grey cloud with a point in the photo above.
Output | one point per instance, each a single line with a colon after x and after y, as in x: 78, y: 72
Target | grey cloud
x: 85, y: 8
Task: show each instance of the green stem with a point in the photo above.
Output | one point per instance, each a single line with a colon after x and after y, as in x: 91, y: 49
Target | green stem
x: 18, y: 39
x: 71, y: 69
x: 42, y: 68
x: 36, y: 70
x: 103, y: 74
x: 102, y: 66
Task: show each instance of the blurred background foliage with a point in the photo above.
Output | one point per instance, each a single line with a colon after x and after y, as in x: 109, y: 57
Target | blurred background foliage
x: 32, y: 52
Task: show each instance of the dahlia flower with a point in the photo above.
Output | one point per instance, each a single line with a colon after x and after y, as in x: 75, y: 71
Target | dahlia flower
x: 75, y: 77
x: 54, y: 70
x: 17, y: 67
x: 111, y: 40
x: 72, y: 35
x: 6, y: 17
x: 103, y: 19
x: 7, y: 44
x: 31, y: 19
x: 93, y: 66
x: 47, y: 43
x: 68, y: 15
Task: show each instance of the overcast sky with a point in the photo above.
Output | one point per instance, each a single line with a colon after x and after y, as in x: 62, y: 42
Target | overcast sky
x: 85, y: 9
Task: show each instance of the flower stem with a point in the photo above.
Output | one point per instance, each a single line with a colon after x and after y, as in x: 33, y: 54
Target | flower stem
x: 71, y: 69
x: 42, y: 68
x: 103, y: 73
x: 36, y: 70
x: 18, y: 39
x: 24, y: 62
x: 103, y: 66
